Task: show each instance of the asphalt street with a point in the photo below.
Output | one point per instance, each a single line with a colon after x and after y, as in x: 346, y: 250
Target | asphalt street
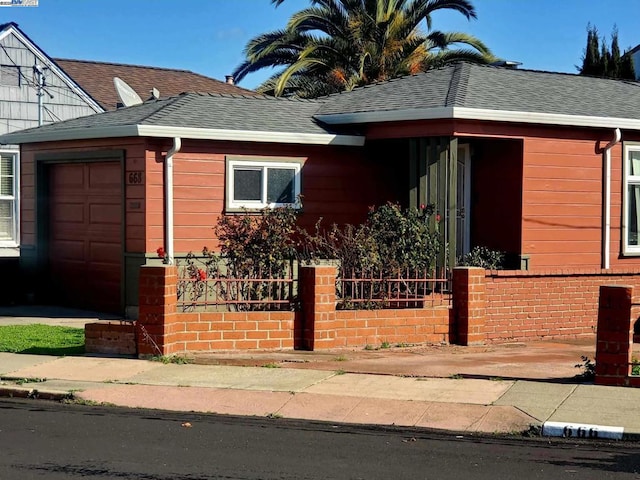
x: 61, y: 441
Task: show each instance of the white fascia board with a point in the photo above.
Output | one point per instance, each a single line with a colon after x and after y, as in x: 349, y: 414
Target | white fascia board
x: 191, y: 133
x: 54, y: 68
x: 545, y: 118
x: 251, y: 136
x: 463, y: 113
x: 69, y: 134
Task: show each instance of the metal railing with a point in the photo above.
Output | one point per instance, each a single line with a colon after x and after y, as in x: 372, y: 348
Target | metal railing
x: 400, y: 289
x: 208, y: 286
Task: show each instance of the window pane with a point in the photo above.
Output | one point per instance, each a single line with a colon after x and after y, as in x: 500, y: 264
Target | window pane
x: 6, y: 220
x: 633, y: 221
x: 6, y: 165
x: 634, y: 162
x: 6, y: 175
x: 280, y: 185
x: 247, y: 184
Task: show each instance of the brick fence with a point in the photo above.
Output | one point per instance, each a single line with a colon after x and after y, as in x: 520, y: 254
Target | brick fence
x: 161, y: 330
x: 532, y: 305
x: 614, y: 346
x: 487, y: 307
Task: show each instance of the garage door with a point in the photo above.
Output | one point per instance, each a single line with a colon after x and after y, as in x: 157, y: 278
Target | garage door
x: 85, y: 234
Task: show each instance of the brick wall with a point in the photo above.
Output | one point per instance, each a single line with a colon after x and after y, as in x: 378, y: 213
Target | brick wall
x: 532, y: 305
x: 615, y: 337
x: 110, y: 338
x: 359, y: 328
x: 488, y: 306
x: 209, y: 331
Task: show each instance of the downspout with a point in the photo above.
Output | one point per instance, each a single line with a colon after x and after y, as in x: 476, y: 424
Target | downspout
x: 606, y: 234
x: 168, y: 200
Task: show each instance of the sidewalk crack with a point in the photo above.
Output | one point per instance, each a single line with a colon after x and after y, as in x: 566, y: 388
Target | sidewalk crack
x: 562, y: 402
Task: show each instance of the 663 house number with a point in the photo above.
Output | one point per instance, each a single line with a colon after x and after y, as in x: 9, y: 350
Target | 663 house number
x: 135, y: 178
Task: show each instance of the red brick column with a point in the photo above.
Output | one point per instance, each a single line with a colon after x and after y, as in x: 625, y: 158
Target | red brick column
x: 469, y: 305
x: 614, y: 335
x: 318, y: 296
x: 157, y: 309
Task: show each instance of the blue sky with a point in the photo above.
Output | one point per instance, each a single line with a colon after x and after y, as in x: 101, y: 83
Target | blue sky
x: 208, y: 36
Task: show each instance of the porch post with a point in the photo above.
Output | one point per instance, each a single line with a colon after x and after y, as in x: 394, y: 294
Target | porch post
x: 452, y: 204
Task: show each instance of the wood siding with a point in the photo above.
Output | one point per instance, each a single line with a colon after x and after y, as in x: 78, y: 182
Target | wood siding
x: 338, y: 184
x: 562, y: 202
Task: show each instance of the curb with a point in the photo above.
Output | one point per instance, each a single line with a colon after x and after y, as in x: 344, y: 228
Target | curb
x: 582, y: 431
x: 16, y: 392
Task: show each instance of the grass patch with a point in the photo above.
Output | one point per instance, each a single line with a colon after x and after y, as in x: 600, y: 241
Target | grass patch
x: 40, y: 339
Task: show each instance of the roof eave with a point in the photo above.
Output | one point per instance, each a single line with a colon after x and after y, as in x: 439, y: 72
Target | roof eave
x: 84, y: 133
x: 464, y: 113
x: 183, y: 132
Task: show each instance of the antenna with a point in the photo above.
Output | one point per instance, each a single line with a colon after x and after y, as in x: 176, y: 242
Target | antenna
x: 127, y: 95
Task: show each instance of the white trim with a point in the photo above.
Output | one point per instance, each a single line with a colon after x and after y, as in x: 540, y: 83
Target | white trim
x: 77, y: 89
x: 463, y: 113
x: 626, y: 248
x: 262, y: 166
x: 83, y: 133
x: 250, y: 135
x: 15, y: 198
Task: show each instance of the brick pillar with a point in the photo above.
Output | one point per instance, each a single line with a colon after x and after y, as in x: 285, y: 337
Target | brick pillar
x: 614, y: 335
x: 318, y: 295
x: 469, y: 305
x: 157, y: 309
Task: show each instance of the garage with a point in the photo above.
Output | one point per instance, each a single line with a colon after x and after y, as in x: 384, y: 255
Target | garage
x: 85, y: 234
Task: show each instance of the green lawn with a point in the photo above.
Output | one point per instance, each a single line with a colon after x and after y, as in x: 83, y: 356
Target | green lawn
x: 42, y: 339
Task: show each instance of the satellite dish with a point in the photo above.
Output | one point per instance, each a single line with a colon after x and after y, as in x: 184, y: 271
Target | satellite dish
x: 128, y: 95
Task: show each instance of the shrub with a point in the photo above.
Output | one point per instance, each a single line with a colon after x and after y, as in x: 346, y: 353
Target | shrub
x: 484, y: 258
x: 257, y: 244
x: 390, y: 240
x: 253, y: 249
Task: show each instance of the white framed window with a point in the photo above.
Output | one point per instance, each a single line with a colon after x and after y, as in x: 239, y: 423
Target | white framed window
x: 256, y: 183
x: 8, y: 199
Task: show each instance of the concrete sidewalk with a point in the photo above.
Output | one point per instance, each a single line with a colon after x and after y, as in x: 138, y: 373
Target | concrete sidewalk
x: 489, y: 389
x: 455, y: 404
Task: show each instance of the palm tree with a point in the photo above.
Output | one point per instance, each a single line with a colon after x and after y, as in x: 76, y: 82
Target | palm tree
x: 336, y: 45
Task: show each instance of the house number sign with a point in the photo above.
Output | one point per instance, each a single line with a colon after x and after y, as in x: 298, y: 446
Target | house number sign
x: 134, y: 178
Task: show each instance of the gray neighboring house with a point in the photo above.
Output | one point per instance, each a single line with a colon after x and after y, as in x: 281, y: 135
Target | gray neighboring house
x: 23, y: 67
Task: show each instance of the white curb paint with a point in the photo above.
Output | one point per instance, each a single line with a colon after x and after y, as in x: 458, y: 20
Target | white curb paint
x: 581, y: 430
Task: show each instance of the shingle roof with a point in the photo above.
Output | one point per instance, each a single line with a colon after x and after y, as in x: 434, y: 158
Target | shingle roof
x: 493, y: 88
x: 96, y: 78
x: 200, y: 115
x: 208, y: 110
x: 460, y: 90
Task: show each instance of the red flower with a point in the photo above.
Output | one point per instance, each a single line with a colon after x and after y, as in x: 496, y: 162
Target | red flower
x: 438, y: 217
x: 161, y: 253
x: 422, y: 206
x: 202, y: 274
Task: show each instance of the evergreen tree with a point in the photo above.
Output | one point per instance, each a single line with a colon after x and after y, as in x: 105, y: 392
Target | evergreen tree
x: 615, y: 60
x: 605, y: 61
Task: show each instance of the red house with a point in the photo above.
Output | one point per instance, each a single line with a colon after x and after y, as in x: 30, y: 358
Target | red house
x: 544, y: 166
